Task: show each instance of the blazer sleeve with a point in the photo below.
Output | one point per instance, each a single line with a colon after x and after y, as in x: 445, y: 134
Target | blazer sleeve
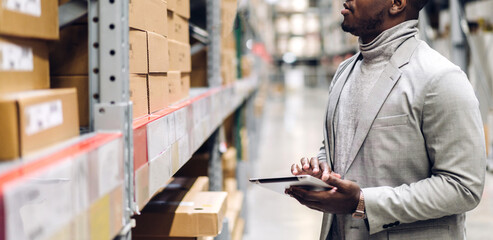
x: 453, y: 132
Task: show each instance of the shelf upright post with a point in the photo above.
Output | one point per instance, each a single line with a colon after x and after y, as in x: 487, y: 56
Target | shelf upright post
x: 214, y: 52
x: 215, y: 171
x: 109, y: 85
x: 213, y: 9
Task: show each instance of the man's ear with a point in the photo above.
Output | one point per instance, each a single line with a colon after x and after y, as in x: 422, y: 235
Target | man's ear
x: 397, y: 7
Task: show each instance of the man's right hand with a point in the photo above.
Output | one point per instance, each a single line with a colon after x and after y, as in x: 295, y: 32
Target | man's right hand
x: 314, y: 168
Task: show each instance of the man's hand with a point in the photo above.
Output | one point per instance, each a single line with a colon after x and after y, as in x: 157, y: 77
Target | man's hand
x: 313, y: 168
x: 342, y: 199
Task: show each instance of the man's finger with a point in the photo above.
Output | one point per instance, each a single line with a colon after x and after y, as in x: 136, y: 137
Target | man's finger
x: 314, y: 164
x: 325, y: 170
x: 305, y: 163
x: 293, y: 169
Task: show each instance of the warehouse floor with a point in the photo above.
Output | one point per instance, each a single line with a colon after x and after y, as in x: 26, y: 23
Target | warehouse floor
x: 292, y: 128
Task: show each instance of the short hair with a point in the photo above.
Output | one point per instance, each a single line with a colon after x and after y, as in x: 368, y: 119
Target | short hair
x: 419, y: 4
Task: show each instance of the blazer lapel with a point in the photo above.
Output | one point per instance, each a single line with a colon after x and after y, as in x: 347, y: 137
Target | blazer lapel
x: 333, y: 101
x: 379, y: 94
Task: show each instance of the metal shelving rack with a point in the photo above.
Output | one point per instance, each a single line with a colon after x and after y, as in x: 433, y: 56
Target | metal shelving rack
x: 111, y: 109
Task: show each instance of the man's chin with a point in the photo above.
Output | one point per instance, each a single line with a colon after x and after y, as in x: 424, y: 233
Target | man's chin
x: 346, y: 28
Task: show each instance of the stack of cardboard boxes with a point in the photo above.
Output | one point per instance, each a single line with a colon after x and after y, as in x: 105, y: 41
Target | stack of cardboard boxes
x: 228, y: 60
x: 179, y: 49
x: 159, y: 57
x: 184, y: 210
x: 33, y: 116
x: 148, y: 39
x: 228, y: 43
x: 228, y: 50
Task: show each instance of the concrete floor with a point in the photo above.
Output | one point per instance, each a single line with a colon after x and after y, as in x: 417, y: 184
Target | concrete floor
x: 292, y: 128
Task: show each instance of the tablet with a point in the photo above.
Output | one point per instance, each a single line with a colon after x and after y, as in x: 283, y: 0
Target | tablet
x: 279, y: 184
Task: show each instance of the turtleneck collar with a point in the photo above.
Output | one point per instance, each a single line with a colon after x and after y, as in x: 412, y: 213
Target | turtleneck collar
x: 385, y: 44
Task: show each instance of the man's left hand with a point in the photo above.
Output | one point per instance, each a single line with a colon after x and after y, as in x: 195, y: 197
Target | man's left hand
x: 342, y: 199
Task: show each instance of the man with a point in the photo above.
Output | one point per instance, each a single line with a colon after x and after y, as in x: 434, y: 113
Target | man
x: 403, y: 135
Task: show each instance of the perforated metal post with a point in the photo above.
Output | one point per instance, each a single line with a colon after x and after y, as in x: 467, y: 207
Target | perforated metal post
x: 109, y: 84
x: 214, y: 51
x: 215, y: 164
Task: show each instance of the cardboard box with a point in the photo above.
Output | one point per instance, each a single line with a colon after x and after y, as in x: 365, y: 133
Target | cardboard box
x: 149, y: 15
x: 181, y: 7
x: 32, y: 19
x: 159, y: 172
x: 185, y: 85
x: 99, y: 218
x: 69, y: 55
x: 228, y: 16
x: 158, y: 53
x: 238, y: 230
x: 36, y: 119
x: 178, y: 28
x: 142, y: 186
x: 174, y: 83
x: 180, y: 214
x: 23, y: 65
x: 137, y: 51
x: 116, y: 210
x: 230, y: 185
x: 138, y: 95
x: 158, y: 92
x: 235, y: 203
x: 229, y: 161
x: 199, y: 59
x: 198, y: 78
x: 179, y: 56
x: 80, y: 226
x: 81, y: 84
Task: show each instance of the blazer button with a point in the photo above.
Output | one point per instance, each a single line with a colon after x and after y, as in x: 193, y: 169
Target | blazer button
x: 397, y: 223
x: 385, y: 226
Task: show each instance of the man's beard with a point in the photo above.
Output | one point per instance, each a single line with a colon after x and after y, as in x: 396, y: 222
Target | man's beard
x: 363, y: 27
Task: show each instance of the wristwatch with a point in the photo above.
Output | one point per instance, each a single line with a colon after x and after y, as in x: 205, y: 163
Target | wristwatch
x: 360, y: 209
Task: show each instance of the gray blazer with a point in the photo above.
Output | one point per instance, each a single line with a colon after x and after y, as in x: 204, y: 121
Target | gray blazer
x: 418, y: 152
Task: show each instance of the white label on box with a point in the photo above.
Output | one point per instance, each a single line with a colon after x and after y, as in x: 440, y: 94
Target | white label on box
x: 16, y: 58
x: 43, y: 116
x: 196, y: 112
x: 181, y: 122
x: 157, y: 138
x: 110, y: 166
x: 172, y: 128
x: 81, y: 183
x: 184, y: 150
x: 30, y: 7
x: 38, y: 206
x: 159, y: 172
